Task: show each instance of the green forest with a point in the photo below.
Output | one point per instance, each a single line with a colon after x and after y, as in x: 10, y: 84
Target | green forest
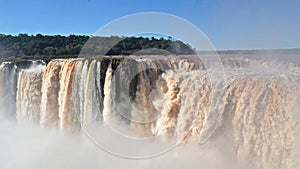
x: 46, y: 47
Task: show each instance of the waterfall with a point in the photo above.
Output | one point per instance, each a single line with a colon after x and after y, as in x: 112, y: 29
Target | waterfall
x: 92, y: 96
x: 256, y: 110
x: 50, y: 88
x: 8, y: 82
x: 108, y: 104
x: 68, y: 118
x: 29, y: 95
x: 170, y: 108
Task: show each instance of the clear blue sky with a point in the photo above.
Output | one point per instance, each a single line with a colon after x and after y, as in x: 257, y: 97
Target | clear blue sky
x: 231, y: 24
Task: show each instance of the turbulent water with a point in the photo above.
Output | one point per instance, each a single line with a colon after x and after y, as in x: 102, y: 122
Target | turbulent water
x: 256, y: 106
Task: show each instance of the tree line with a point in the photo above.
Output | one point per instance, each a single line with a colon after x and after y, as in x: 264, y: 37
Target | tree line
x: 46, y: 47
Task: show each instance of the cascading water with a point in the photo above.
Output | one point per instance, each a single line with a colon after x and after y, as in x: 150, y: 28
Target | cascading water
x: 93, y: 95
x: 50, y: 88
x: 8, y: 82
x: 255, y: 110
x: 29, y: 95
x: 107, y: 109
x: 68, y: 119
